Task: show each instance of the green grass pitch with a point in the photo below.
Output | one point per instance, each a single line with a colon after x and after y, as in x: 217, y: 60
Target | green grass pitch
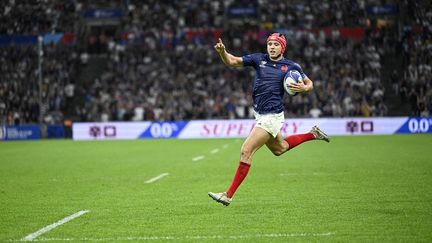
x: 363, y: 188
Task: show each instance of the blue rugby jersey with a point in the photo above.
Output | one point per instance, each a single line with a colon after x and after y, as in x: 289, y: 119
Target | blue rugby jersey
x: 268, y: 88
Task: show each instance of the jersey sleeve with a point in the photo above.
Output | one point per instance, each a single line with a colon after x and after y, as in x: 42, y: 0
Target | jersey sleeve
x: 251, y: 59
x: 300, y: 69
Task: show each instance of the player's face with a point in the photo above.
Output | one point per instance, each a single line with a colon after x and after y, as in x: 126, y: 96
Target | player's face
x: 274, y: 49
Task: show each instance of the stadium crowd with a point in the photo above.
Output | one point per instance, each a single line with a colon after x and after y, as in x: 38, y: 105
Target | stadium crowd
x: 19, y: 86
x: 34, y: 17
x: 162, y: 65
x: 416, y: 85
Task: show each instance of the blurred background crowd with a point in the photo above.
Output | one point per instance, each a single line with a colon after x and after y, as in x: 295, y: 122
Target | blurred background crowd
x: 154, y: 60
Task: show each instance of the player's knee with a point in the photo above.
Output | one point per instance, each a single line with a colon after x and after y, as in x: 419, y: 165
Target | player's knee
x: 281, y: 149
x: 278, y: 152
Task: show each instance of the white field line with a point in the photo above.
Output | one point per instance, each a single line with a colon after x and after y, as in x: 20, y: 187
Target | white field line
x: 151, y: 180
x: 314, y: 174
x: 214, y: 151
x: 198, y: 237
x: 288, y: 174
x: 32, y: 236
x: 198, y: 158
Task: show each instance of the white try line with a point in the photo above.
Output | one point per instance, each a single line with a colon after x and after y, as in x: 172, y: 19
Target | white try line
x: 198, y: 158
x: 214, y: 151
x: 197, y: 237
x: 156, y: 178
x: 32, y: 236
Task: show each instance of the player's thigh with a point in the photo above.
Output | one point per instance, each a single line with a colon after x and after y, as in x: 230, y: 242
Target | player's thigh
x: 256, y: 139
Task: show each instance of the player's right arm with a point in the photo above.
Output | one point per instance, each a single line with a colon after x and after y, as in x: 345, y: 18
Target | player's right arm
x: 227, y: 58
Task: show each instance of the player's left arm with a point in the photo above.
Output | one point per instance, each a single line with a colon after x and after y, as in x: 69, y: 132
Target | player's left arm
x: 305, y: 86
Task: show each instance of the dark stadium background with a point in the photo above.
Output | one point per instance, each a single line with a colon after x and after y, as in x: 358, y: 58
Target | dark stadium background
x: 154, y: 60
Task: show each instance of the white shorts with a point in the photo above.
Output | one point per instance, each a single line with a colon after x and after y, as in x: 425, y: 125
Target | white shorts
x: 272, y: 123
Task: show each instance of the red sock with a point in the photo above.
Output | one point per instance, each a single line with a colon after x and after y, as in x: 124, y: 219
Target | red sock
x: 241, y: 173
x: 295, y: 140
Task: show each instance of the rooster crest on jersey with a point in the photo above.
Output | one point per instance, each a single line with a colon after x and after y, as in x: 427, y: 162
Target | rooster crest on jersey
x: 291, y: 77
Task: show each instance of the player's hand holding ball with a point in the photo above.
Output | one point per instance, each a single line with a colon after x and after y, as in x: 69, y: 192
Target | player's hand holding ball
x: 298, y: 87
x: 293, y: 83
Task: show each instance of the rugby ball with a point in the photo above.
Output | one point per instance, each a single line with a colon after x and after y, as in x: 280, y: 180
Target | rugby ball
x: 292, y: 77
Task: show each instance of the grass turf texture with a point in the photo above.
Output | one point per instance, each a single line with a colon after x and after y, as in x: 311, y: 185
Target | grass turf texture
x: 364, y: 188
